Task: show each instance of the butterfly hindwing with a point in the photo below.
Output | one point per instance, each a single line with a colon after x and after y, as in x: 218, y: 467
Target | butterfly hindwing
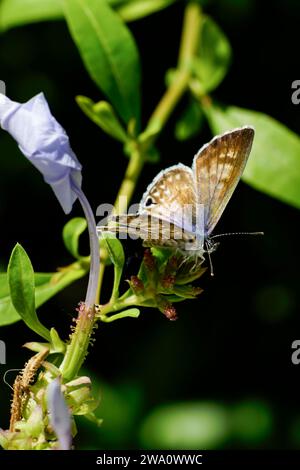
x: 172, y: 196
x: 154, y: 231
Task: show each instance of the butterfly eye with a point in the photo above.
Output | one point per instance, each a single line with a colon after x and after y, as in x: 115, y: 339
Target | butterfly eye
x: 149, y: 202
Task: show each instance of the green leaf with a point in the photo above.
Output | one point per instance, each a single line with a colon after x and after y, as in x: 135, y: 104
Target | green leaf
x: 57, y: 344
x: 149, y: 135
x: 145, y: 142
x: 46, y: 286
x: 116, y: 254
x: 19, y: 12
x: 33, y: 427
x: 152, y: 155
x: 274, y: 163
x: 71, y: 233
x: 108, y: 51
x: 114, y: 248
x: 135, y: 9
x: 131, y: 312
x: 103, y: 115
x: 213, y: 57
x: 187, y: 291
x: 21, y: 283
x: 190, y: 123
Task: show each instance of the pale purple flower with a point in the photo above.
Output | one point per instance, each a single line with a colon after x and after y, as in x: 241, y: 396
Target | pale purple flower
x: 45, y: 143
x: 59, y: 415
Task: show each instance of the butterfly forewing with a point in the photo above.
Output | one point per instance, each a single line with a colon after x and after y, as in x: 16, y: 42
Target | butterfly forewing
x: 218, y: 167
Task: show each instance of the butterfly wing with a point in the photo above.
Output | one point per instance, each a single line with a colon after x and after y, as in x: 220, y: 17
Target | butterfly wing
x: 153, y: 230
x: 172, y: 197
x: 218, y: 167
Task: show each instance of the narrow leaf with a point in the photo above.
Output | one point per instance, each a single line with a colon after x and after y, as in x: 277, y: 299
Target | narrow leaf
x: 132, y: 312
x: 104, y: 116
x: 274, y: 163
x: 116, y: 254
x: 108, y: 51
x: 114, y: 248
x: 71, y: 233
x: 214, y: 55
x: 19, y: 12
x: 135, y: 9
x: 190, y: 122
x: 57, y: 344
x: 21, y: 284
x: 46, y: 286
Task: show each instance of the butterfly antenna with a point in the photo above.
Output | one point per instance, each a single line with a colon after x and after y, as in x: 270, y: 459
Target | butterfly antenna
x: 236, y: 233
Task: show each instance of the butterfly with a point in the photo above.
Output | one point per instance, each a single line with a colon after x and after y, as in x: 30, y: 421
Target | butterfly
x: 182, y: 205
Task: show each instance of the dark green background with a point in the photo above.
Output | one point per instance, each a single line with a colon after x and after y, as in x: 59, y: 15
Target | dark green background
x: 232, y: 346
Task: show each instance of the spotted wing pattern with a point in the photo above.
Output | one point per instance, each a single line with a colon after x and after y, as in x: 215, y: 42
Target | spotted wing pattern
x: 172, y: 197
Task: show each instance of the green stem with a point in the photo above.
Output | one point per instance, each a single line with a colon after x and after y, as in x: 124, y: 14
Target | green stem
x: 77, y: 349
x: 173, y: 94
x: 123, y: 198
x: 80, y: 340
x: 190, y: 35
x: 120, y: 304
x: 128, y: 185
x: 170, y: 99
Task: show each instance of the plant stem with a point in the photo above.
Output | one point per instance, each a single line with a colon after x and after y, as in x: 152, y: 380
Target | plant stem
x: 80, y: 339
x: 159, y: 117
x: 122, y: 201
x: 128, y: 185
x: 169, y: 100
x: 190, y: 35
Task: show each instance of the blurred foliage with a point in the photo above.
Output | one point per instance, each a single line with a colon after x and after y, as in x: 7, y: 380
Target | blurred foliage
x: 120, y: 409
x: 207, y: 425
x: 109, y: 53
x: 212, y: 58
x: 20, y: 12
x: 274, y: 163
x: 252, y: 422
x: 275, y: 303
x: 186, y: 426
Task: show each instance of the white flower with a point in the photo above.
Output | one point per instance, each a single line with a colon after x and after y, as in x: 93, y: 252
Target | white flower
x: 45, y: 143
